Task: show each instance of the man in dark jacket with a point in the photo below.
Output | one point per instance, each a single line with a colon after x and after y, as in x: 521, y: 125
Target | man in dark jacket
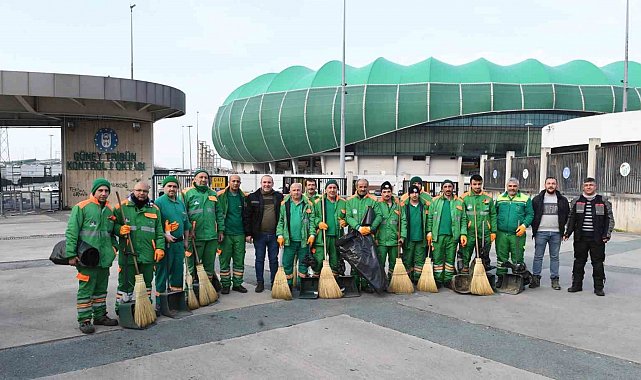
x: 591, y: 220
x: 260, y: 219
x: 551, y: 211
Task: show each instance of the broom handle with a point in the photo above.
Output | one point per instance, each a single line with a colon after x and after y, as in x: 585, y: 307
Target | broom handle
x: 398, y: 234
x: 476, y: 235
x: 193, y: 241
x: 128, y: 237
x: 323, y: 218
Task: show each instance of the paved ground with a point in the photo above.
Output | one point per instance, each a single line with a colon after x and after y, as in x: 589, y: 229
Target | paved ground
x: 539, y: 333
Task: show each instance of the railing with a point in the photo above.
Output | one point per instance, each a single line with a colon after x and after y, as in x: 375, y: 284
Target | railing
x: 618, y: 168
x: 527, y: 170
x: 569, y: 169
x: 494, y: 174
x: 23, y: 201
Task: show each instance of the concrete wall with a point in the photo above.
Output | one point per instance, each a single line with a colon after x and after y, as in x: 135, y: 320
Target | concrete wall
x: 444, y: 166
x: 626, y: 209
x: 83, y: 161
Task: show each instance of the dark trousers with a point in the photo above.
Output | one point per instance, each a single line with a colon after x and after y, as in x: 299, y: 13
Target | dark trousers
x: 596, y: 249
x: 266, y: 242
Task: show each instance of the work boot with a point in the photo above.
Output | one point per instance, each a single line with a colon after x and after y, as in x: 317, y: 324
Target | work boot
x: 555, y: 284
x: 598, y: 288
x: 239, y: 289
x: 576, y: 287
x: 536, y: 282
x: 499, y: 281
x: 260, y: 286
x: 105, y: 321
x: 599, y: 292
x: 86, y: 327
x: 225, y: 290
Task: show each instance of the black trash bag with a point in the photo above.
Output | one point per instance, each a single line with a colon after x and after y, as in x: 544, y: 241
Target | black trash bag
x: 88, y: 255
x: 308, y: 260
x: 341, y: 267
x: 369, y: 217
x: 360, y: 253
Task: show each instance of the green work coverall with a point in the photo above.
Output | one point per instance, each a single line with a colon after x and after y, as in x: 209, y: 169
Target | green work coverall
x: 295, y: 225
x: 511, y: 212
x: 334, y: 231
x: 202, y: 207
x: 355, y: 210
x: 415, y: 221
x: 147, y: 234
x: 446, y: 239
x: 94, y: 224
x: 392, y: 228
x: 485, y: 225
x: 233, y: 246
x: 169, y: 270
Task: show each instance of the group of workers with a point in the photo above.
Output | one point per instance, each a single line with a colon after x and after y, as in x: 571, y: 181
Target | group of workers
x: 161, y: 235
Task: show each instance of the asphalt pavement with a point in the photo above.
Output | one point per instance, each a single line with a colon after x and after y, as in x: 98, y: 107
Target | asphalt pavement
x: 537, y: 334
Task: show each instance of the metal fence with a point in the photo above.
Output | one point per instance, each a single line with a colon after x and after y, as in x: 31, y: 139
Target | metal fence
x: 320, y: 183
x: 527, y: 170
x: 494, y: 174
x: 434, y: 188
x: 569, y: 169
x: 217, y: 182
x: 23, y: 201
x: 618, y: 168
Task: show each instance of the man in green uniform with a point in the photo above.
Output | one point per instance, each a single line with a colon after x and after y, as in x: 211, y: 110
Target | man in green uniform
x: 425, y: 196
x: 310, y: 190
x: 332, y: 222
x: 514, y: 214
x: 92, y: 221
x: 446, y: 226
x: 231, y: 201
x: 481, y: 221
x: 295, y: 229
x: 392, y: 230
x: 142, y: 224
x: 414, y: 215
x: 202, y: 208
x: 357, y: 206
x: 169, y: 270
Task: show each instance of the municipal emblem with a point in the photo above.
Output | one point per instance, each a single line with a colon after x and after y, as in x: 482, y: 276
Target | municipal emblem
x: 106, y: 140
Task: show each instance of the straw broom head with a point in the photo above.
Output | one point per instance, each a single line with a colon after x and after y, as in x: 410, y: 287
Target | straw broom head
x: 327, y: 285
x: 204, y: 286
x: 280, y: 287
x: 144, y: 313
x: 192, y: 301
x: 480, y: 284
x: 427, y: 283
x: 401, y: 283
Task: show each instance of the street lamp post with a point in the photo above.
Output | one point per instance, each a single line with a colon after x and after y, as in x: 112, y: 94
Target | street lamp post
x: 624, y: 106
x: 182, y: 145
x: 341, y: 170
x: 131, y: 22
x: 191, y: 167
x: 51, y: 147
x: 527, y: 147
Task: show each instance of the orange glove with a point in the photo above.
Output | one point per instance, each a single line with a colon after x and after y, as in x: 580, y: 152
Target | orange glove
x: 343, y: 223
x: 167, y: 226
x: 463, y: 240
x: 124, y: 230
x: 159, y: 254
x: 492, y: 237
x: 174, y: 226
x: 364, y: 230
x: 322, y: 226
x: 187, y: 253
x: 310, y: 240
x: 429, y: 238
x: 281, y: 241
x: 520, y: 231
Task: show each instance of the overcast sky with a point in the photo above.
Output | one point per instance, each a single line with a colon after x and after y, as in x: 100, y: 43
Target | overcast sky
x: 209, y: 48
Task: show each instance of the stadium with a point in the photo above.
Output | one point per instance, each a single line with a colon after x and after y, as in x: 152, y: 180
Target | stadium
x: 428, y: 118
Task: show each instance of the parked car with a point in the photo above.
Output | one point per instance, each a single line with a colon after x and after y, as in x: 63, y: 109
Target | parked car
x: 49, y: 188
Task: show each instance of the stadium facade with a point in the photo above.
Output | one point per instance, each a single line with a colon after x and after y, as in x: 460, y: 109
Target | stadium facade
x: 429, y: 118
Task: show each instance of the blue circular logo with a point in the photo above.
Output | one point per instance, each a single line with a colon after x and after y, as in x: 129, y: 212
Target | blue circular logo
x: 106, y: 140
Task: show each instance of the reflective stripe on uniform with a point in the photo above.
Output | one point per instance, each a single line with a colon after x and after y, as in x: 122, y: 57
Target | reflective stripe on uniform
x: 95, y: 233
x: 194, y: 212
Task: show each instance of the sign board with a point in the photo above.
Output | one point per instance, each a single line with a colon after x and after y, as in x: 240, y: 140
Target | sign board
x: 218, y: 182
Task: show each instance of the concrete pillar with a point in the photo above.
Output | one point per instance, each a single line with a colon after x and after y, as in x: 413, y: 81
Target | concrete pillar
x: 543, y: 169
x: 461, y: 184
x: 358, y: 169
x: 272, y: 167
x: 427, y: 165
x: 294, y: 165
x: 592, y: 145
x: 395, y: 165
x: 482, y: 165
x: 322, y: 160
x: 509, y: 155
x: 460, y: 164
x: 349, y: 190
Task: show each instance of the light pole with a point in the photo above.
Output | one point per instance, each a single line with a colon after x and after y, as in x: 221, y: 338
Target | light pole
x: 624, y: 106
x: 191, y: 168
x: 182, y: 139
x: 131, y: 22
x: 341, y: 170
x: 51, y: 147
x: 198, y: 158
x: 527, y: 147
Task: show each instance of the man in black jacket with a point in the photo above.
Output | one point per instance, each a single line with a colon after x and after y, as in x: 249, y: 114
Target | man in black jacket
x: 260, y: 219
x: 551, y: 211
x: 591, y: 220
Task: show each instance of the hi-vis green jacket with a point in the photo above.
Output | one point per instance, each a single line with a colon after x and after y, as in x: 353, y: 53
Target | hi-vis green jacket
x: 388, y: 231
x: 511, y: 212
x: 339, y: 214
x: 93, y: 224
x: 223, y: 205
x: 356, y: 208
x: 307, y: 221
x: 146, y: 230
x: 459, y: 217
x: 203, y: 208
x: 485, y: 213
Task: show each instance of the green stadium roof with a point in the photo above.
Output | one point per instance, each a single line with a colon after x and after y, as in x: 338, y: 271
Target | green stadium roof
x: 296, y: 112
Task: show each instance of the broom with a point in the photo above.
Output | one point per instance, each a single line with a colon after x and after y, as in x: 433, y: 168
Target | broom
x: 295, y: 273
x: 280, y: 287
x: 192, y: 301
x: 400, y: 283
x: 327, y: 286
x: 206, y: 292
x: 427, y: 283
x: 144, y: 313
x: 480, y: 285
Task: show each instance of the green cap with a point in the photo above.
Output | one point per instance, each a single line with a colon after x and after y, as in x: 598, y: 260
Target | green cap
x: 331, y: 182
x: 416, y: 179
x: 170, y: 178
x: 99, y: 182
x: 198, y: 171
